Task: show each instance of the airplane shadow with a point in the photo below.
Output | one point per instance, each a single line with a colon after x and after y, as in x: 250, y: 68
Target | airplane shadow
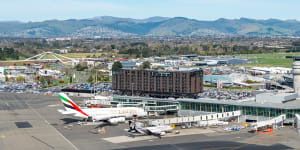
x: 133, y: 135
x: 70, y: 120
x: 103, y: 124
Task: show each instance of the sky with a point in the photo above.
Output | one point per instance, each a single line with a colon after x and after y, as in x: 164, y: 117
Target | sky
x: 40, y: 10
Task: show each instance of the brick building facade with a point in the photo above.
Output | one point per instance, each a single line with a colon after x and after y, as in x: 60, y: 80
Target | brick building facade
x: 158, y: 83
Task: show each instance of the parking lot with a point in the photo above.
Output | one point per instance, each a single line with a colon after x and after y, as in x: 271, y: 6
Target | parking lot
x: 97, y: 87
x: 223, y: 94
x: 51, y: 130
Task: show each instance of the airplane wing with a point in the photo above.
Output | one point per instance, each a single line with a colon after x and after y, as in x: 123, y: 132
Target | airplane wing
x: 64, y: 112
x: 149, y: 131
x: 159, y: 130
x: 143, y: 131
x: 106, y: 117
x: 154, y: 131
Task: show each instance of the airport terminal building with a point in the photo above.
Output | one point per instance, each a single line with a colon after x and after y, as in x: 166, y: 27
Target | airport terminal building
x: 252, y: 110
x: 158, y: 83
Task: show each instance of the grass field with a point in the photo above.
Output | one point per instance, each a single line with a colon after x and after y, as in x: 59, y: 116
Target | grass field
x: 269, y: 55
x: 270, y: 59
x: 272, y: 62
x: 48, y: 57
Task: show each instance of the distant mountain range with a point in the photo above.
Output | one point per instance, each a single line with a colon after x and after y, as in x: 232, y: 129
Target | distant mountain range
x: 107, y: 26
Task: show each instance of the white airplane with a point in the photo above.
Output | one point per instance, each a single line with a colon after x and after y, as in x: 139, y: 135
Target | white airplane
x: 112, y: 115
x: 158, y: 130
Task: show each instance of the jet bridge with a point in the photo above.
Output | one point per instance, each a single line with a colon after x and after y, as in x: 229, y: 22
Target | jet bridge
x: 149, y: 107
x: 162, y: 108
x: 199, y: 118
x: 297, y: 123
x: 270, y: 122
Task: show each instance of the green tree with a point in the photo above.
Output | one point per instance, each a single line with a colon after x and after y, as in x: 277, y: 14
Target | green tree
x: 6, y: 79
x: 159, y: 68
x: 90, y: 79
x: 146, y: 65
x: 117, y: 65
x: 80, y: 68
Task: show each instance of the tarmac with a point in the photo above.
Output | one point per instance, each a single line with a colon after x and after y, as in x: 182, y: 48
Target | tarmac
x: 32, y: 122
x: 40, y: 134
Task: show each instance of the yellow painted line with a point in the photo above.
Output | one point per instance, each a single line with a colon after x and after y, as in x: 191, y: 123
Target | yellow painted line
x: 2, y: 136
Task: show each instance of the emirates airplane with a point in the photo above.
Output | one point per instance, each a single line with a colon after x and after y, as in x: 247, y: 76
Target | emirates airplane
x: 112, y: 115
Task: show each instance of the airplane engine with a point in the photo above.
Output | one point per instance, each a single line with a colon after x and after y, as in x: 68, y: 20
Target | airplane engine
x: 163, y: 133
x: 116, y: 120
x: 97, y: 118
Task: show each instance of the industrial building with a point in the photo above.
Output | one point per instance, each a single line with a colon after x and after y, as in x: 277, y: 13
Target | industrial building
x: 158, y: 83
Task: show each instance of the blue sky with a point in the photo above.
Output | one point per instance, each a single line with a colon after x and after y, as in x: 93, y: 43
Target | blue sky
x: 39, y: 10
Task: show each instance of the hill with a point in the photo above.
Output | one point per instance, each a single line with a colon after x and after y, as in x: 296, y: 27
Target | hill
x: 107, y: 26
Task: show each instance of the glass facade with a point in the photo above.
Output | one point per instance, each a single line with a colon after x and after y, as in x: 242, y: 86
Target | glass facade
x: 246, y: 110
x: 208, y: 107
x: 166, y: 105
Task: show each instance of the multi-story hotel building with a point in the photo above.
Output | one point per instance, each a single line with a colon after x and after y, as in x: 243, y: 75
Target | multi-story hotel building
x: 158, y: 83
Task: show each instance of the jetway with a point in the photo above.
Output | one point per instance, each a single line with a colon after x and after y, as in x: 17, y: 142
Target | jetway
x: 149, y: 107
x: 297, y: 123
x: 270, y: 122
x: 161, y: 108
x: 207, y: 117
x: 152, y: 109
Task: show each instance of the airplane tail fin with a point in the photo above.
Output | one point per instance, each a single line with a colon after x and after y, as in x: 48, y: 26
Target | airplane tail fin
x: 69, y: 104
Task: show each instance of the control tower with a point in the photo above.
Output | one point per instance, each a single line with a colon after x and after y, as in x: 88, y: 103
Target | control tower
x: 296, y: 73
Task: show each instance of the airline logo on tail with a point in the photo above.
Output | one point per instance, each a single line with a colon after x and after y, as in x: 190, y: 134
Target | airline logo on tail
x: 69, y: 104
